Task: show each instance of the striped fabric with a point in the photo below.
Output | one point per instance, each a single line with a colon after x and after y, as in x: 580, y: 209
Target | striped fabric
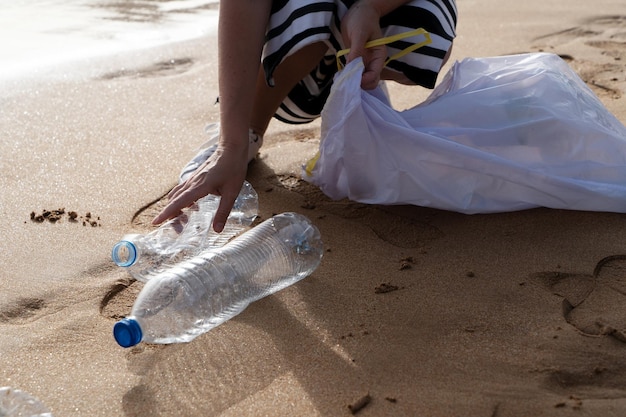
x: 297, y: 23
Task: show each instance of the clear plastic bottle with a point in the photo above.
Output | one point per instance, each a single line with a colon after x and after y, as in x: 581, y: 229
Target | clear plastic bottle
x: 185, y: 236
x: 17, y: 403
x: 200, y: 293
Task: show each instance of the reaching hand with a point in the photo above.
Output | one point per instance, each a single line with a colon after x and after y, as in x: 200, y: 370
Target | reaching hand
x: 360, y: 25
x: 222, y: 174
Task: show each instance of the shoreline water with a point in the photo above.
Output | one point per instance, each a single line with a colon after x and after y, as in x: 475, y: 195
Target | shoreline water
x: 57, y: 40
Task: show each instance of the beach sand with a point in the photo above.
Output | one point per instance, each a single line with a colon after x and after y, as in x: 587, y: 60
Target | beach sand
x: 413, y: 311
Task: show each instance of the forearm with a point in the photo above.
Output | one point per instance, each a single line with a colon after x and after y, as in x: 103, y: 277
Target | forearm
x: 241, y: 33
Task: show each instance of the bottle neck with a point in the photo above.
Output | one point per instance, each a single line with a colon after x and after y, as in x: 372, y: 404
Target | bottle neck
x: 124, y: 253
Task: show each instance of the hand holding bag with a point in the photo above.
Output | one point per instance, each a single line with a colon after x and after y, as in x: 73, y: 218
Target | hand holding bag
x: 498, y: 134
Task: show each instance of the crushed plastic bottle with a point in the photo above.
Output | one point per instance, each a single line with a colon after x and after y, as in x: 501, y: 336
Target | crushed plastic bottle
x: 17, y: 403
x: 200, y: 293
x: 185, y: 236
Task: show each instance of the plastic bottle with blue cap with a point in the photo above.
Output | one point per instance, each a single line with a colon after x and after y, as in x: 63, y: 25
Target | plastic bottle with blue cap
x: 206, y: 290
x: 145, y: 255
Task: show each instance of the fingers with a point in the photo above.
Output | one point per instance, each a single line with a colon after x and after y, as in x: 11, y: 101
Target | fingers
x: 374, y: 62
x: 370, y: 80
x: 174, y: 191
x: 222, y: 175
x: 181, y: 197
x: 357, y: 49
x: 223, y: 211
x: 169, y: 212
x: 173, y: 208
x: 371, y: 73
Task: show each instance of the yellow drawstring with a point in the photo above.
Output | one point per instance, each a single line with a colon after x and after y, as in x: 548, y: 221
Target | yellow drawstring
x: 310, y: 165
x: 389, y: 39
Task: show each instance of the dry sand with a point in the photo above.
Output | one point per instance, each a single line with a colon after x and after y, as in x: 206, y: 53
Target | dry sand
x: 418, y: 311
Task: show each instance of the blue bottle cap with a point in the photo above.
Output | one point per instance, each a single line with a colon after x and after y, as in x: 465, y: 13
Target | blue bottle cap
x: 124, y: 253
x: 127, y: 332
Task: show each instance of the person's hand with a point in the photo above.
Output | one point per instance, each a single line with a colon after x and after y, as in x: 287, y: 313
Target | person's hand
x: 222, y: 174
x: 360, y: 25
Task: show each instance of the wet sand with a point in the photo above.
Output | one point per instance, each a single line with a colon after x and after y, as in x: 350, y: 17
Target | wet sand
x: 413, y: 311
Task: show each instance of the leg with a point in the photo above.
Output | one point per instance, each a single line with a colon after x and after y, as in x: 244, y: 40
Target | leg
x: 293, y: 69
x: 266, y: 101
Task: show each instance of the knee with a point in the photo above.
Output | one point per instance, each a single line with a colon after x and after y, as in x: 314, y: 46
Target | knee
x: 447, y: 57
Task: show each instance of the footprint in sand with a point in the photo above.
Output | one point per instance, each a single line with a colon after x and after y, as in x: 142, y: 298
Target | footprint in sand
x: 119, y: 299
x: 167, y: 68
x: 604, y: 41
x: 146, y: 11
x: 594, y: 304
x: 22, y: 311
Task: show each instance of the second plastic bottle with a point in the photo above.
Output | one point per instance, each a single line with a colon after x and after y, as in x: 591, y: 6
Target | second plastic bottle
x: 145, y: 256
x: 200, y: 293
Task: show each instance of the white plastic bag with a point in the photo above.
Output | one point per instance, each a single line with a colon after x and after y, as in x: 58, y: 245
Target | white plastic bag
x: 498, y: 134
